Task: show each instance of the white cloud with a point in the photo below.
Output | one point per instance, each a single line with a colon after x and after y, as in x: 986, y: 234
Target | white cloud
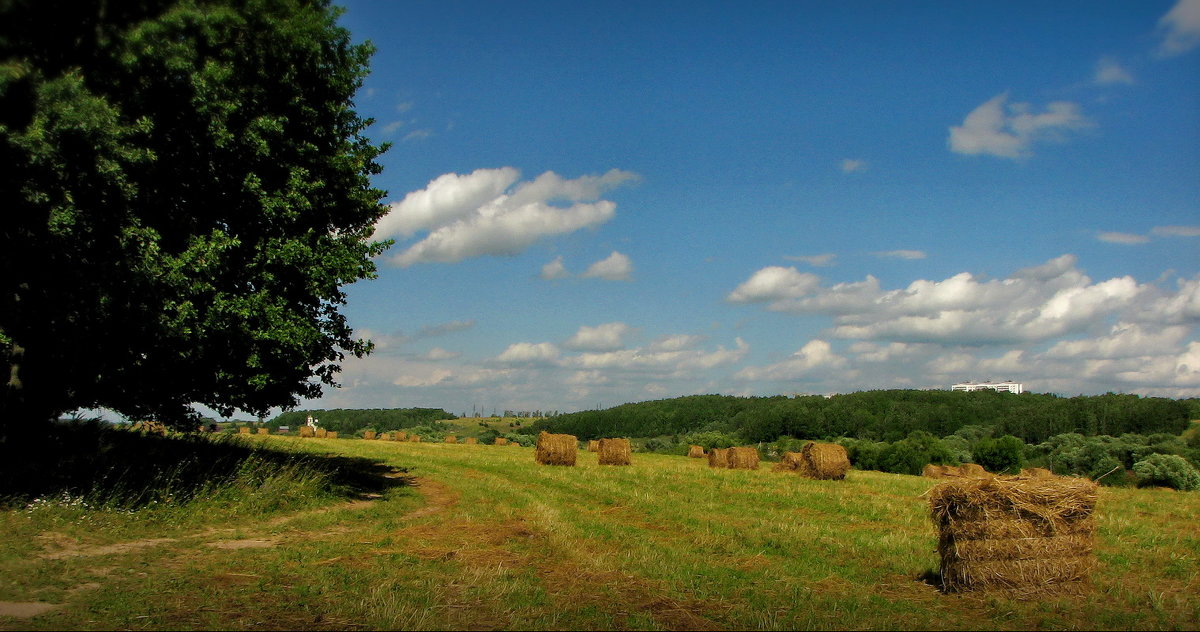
x: 1125, y: 340
x: 901, y: 254
x: 1122, y: 238
x: 677, y: 342
x: 814, y: 357
x: 850, y: 165
x: 391, y: 128
x: 614, y: 267
x: 820, y: 261
x: 995, y: 130
x: 1180, y: 28
x: 417, y: 134
x: 554, y: 270
x: 1109, y: 71
x: 438, y: 354
x: 606, y: 337
x: 774, y: 283
x: 528, y: 352
x: 482, y: 214
x: 1176, y: 231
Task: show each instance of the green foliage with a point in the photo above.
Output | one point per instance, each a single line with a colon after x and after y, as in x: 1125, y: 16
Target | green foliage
x: 1000, y: 455
x: 186, y: 191
x: 711, y: 439
x: 1167, y: 470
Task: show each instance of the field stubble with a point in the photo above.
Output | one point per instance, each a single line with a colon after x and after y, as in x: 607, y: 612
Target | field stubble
x: 487, y: 539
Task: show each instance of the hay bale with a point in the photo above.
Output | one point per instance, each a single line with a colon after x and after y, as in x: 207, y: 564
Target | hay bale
x: 934, y: 471
x: 399, y: 436
x: 307, y: 431
x: 451, y: 439
x: 593, y: 445
x: 825, y: 461
x: 368, y: 434
x: 500, y: 441
x: 414, y: 439
x: 321, y: 432
x: 745, y: 458
x: 331, y: 434
x: 471, y: 441
x: 718, y: 457
x: 243, y: 430
x: 790, y: 462
x: 1014, y: 531
x: 1037, y: 472
x: 263, y: 431
x: 615, y: 452
x: 973, y: 470
x: 556, y: 449
x: 696, y: 452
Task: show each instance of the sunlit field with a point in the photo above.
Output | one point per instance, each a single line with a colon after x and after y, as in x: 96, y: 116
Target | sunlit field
x: 484, y: 538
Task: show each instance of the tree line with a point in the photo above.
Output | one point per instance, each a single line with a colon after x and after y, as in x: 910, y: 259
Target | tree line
x: 352, y: 420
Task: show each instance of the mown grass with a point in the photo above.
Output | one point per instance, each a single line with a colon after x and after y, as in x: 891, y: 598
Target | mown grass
x: 489, y: 540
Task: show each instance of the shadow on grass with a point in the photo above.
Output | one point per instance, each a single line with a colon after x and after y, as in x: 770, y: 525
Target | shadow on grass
x: 932, y: 577
x: 94, y: 459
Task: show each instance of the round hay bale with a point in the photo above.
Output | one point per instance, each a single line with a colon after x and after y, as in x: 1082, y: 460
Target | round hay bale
x: 368, y: 434
x: 791, y: 462
x: 696, y: 452
x: 744, y: 458
x: 399, y: 436
x: 243, y: 430
x: 973, y: 470
x: 593, y: 445
x: 414, y: 439
x: 451, y: 439
x: 718, y: 457
x: 471, y: 441
x: 1014, y: 531
x: 263, y: 431
x: 321, y: 433
x: 500, y: 441
x: 331, y: 435
x: 307, y: 431
x: 825, y: 461
x: 614, y: 452
x: 556, y: 449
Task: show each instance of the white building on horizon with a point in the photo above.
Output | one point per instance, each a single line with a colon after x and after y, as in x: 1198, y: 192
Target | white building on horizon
x: 1007, y: 386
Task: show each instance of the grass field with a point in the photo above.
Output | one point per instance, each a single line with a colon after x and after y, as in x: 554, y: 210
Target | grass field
x: 483, y: 538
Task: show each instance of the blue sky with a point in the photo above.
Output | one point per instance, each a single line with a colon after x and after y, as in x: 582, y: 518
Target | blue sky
x: 604, y: 202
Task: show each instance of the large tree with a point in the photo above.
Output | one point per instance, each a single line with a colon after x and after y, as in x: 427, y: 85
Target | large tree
x: 186, y: 190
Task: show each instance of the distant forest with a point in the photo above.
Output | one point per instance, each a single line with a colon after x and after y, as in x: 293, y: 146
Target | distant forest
x: 351, y: 420
x: 883, y: 415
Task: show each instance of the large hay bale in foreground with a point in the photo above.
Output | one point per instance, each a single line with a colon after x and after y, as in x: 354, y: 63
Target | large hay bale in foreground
x: 696, y: 452
x: 556, y: 449
x: 1014, y: 531
x: 615, y: 452
x: 471, y: 441
x: 745, y: 458
x: 451, y: 439
x: 824, y: 461
x: 307, y: 431
x: 718, y: 457
x: 593, y: 445
x: 368, y: 434
x: 500, y: 441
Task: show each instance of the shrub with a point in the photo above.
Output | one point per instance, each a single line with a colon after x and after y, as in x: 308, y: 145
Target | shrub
x: 1167, y: 470
x: 1005, y: 454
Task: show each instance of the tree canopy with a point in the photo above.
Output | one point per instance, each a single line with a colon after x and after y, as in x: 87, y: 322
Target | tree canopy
x: 186, y: 191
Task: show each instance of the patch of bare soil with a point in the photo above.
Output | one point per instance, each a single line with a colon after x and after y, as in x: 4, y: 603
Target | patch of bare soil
x: 107, y: 549
x: 259, y: 543
x: 625, y: 595
x: 25, y: 609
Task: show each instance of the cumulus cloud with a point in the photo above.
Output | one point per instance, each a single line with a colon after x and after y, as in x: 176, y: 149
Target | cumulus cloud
x: 850, y: 165
x: 1008, y: 130
x: 814, y: 357
x: 1109, y: 71
x: 901, y: 254
x: 1122, y: 238
x: 820, y: 261
x: 483, y: 213
x: 554, y: 270
x: 774, y: 283
x: 614, y: 267
x: 1180, y: 28
x: 528, y: 352
x: 606, y: 337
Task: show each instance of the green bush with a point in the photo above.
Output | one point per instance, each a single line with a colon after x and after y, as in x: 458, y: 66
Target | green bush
x: 1167, y: 470
x: 1004, y: 454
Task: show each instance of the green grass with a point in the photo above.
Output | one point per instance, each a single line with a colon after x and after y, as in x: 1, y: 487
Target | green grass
x: 490, y: 540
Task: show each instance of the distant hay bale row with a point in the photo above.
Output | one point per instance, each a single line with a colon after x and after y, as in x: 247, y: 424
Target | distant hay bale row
x: 696, y: 452
x: 614, y: 451
x: 556, y: 449
x: 966, y: 470
x: 734, y: 458
x: 593, y: 445
x: 822, y: 461
x: 1014, y: 531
